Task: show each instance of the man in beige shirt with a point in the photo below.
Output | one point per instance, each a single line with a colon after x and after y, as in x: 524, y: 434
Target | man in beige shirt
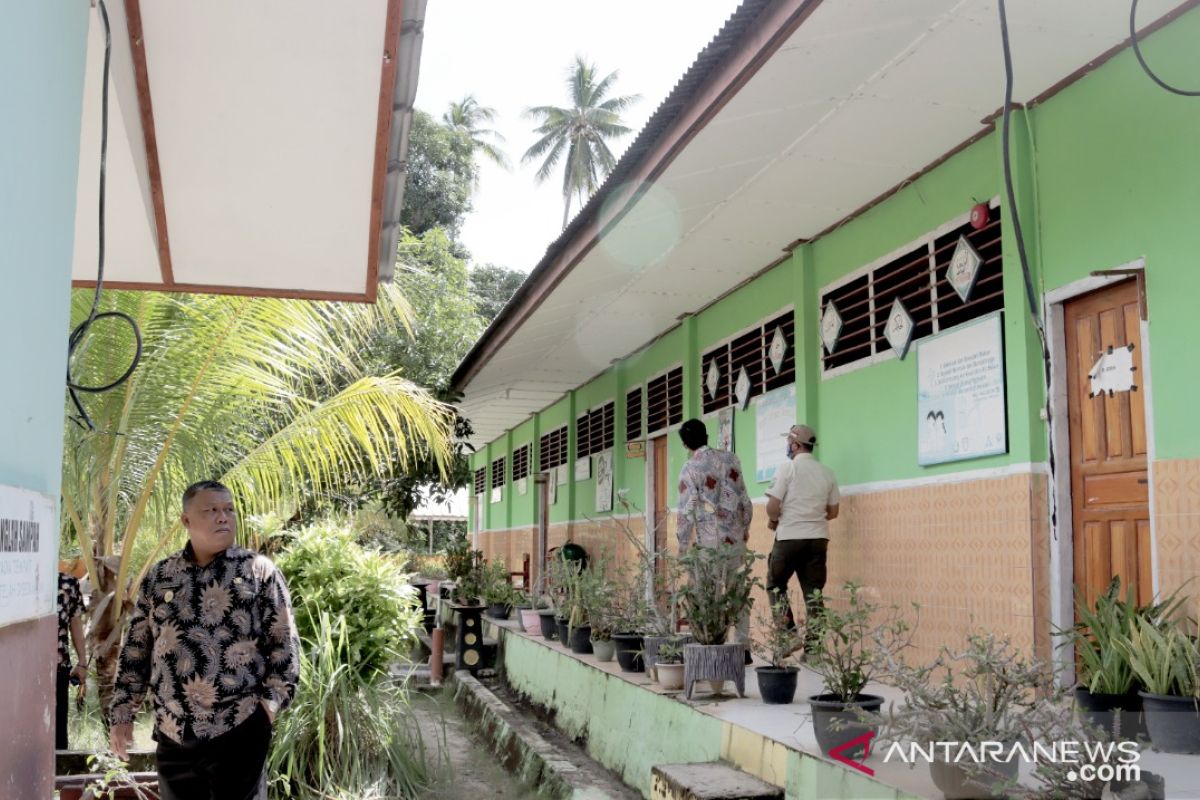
x: 800, y: 503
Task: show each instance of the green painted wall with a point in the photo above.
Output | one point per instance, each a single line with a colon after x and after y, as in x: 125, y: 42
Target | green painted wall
x: 1095, y: 190
x: 1119, y: 179
x: 597, y: 392
x: 524, y: 506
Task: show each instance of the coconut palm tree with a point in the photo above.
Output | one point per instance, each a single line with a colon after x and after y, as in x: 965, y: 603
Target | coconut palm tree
x: 469, y: 116
x: 580, y: 133
x: 267, y: 395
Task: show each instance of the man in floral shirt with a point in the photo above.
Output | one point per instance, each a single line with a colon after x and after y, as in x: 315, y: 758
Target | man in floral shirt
x: 70, y: 622
x: 213, y: 640
x: 714, y: 506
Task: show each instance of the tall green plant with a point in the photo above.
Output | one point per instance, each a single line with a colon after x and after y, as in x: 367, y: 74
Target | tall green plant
x: 717, y: 590
x: 1165, y: 659
x: 346, y: 734
x: 268, y: 395
x: 855, y: 644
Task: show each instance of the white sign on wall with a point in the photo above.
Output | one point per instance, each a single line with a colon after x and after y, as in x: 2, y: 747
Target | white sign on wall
x: 775, y: 414
x: 604, y: 481
x: 960, y: 393
x: 28, y: 555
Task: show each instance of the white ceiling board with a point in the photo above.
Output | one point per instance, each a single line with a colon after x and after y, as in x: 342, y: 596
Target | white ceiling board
x: 266, y: 117
x: 131, y: 246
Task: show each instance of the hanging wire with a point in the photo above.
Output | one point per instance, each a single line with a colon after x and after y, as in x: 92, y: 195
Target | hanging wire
x: 79, y: 334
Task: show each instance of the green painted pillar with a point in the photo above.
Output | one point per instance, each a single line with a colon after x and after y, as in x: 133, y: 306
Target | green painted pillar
x: 619, y: 466
x: 535, y: 466
x: 691, y: 369
x: 808, y: 335
x: 1024, y: 369
x: 572, y: 447
x: 510, y: 486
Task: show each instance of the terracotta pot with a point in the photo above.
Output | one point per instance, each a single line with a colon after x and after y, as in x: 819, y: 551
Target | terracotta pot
x: 670, y: 676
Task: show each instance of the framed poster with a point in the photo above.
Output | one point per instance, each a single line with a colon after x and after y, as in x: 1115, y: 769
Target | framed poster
x: 552, y: 488
x: 583, y: 468
x: 28, y: 555
x: 523, y: 486
x: 961, y: 410
x: 725, y: 429
x: 775, y: 415
x: 560, y: 474
x: 604, y: 481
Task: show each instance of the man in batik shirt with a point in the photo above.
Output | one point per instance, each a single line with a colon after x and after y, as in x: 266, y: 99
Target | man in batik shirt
x: 714, y: 506
x: 70, y: 623
x: 213, y: 640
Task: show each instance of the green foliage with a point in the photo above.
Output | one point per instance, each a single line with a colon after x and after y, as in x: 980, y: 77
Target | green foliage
x: 441, y: 176
x: 469, y: 117
x: 578, y: 134
x: 776, y: 641
x: 857, y: 644
x: 328, y: 573
x: 669, y: 652
x: 717, y: 591
x: 497, y: 588
x: 1163, y: 658
x: 347, y: 734
x: 1103, y: 631
x: 492, y: 287
x: 113, y: 777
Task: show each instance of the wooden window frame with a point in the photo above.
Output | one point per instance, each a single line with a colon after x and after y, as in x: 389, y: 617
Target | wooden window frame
x: 940, y: 317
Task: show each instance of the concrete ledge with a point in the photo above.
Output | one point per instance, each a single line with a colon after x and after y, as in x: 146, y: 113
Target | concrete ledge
x: 711, y: 781
x: 524, y: 752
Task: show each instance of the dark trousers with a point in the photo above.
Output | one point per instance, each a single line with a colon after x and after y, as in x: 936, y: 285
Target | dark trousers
x: 229, y: 767
x: 804, y: 558
x: 62, y: 690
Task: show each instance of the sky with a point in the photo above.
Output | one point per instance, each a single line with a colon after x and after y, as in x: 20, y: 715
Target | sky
x: 515, y: 55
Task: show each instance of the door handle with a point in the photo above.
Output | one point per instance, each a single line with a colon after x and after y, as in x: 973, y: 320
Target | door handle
x: 1143, y: 481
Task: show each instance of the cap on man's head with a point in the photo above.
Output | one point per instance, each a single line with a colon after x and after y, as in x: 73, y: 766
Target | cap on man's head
x: 802, y: 434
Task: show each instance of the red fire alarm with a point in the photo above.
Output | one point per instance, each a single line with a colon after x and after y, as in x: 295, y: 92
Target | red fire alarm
x: 979, y: 215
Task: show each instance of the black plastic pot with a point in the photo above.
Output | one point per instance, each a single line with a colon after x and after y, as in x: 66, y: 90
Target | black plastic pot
x: 581, y: 639
x: 777, y: 685
x: 828, y: 707
x: 1110, y: 712
x: 959, y: 782
x: 1173, y: 722
x: 546, y: 617
x: 629, y: 652
x: 499, y: 610
x: 562, y: 630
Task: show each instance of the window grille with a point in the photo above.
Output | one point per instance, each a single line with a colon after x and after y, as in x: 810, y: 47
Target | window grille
x: 664, y: 401
x: 521, y: 462
x: 633, y: 415
x: 918, y: 278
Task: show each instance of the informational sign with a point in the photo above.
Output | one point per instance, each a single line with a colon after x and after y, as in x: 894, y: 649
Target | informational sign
x: 497, y: 494
x: 583, y: 468
x: 741, y: 389
x: 604, y: 481
x: 552, y: 488
x: 775, y: 415
x: 560, y: 475
x: 960, y: 393
x: 523, y: 486
x: 635, y: 449
x: 28, y: 555
x: 725, y: 429
x: 1113, y: 372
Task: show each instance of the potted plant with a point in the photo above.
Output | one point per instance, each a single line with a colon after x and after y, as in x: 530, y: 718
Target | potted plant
x: 713, y: 598
x: 546, y: 612
x: 1107, y: 692
x: 852, y: 647
x: 669, y: 665
x: 988, y: 692
x: 627, y: 617
x: 777, y: 680
x: 498, y: 593
x: 1166, y: 661
x: 527, y: 612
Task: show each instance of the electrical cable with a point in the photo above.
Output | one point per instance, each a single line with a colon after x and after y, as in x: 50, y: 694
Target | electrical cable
x: 1137, y: 51
x: 80, y: 332
x: 1026, y: 273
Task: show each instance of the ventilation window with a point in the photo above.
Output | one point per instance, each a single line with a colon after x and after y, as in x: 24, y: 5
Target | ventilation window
x: 664, y: 401
x: 595, y: 431
x: 552, y: 449
x: 583, y: 427
x: 633, y: 415
x: 521, y: 462
x: 918, y: 279
x: 721, y: 366
x: 785, y: 326
x: 498, y: 473
x: 480, y: 480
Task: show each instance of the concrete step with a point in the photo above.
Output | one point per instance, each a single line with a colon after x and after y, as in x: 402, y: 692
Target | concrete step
x: 710, y: 780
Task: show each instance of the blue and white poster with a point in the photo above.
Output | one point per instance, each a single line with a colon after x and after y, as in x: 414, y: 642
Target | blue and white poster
x: 775, y: 414
x: 960, y: 393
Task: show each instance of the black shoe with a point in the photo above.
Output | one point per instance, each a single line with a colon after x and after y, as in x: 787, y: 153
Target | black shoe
x: 749, y: 658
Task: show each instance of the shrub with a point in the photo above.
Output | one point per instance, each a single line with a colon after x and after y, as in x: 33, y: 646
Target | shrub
x: 328, y: 572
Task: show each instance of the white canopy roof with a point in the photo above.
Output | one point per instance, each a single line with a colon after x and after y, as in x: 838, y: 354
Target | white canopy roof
x: 254, y: 148
x: 777, y: 142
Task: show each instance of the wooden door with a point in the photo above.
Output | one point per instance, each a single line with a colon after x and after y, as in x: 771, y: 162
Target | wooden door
x: 1109, y: 485
x: 660, y: 492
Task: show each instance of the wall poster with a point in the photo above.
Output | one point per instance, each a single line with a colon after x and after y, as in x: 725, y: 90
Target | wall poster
x: 28, y: 555
x: 725, y: 429
x: 775, y: 415
x: 961, y: 410
x: 604, y: 481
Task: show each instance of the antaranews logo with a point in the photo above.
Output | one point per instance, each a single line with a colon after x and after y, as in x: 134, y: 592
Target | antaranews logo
x: 1089, y: 761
